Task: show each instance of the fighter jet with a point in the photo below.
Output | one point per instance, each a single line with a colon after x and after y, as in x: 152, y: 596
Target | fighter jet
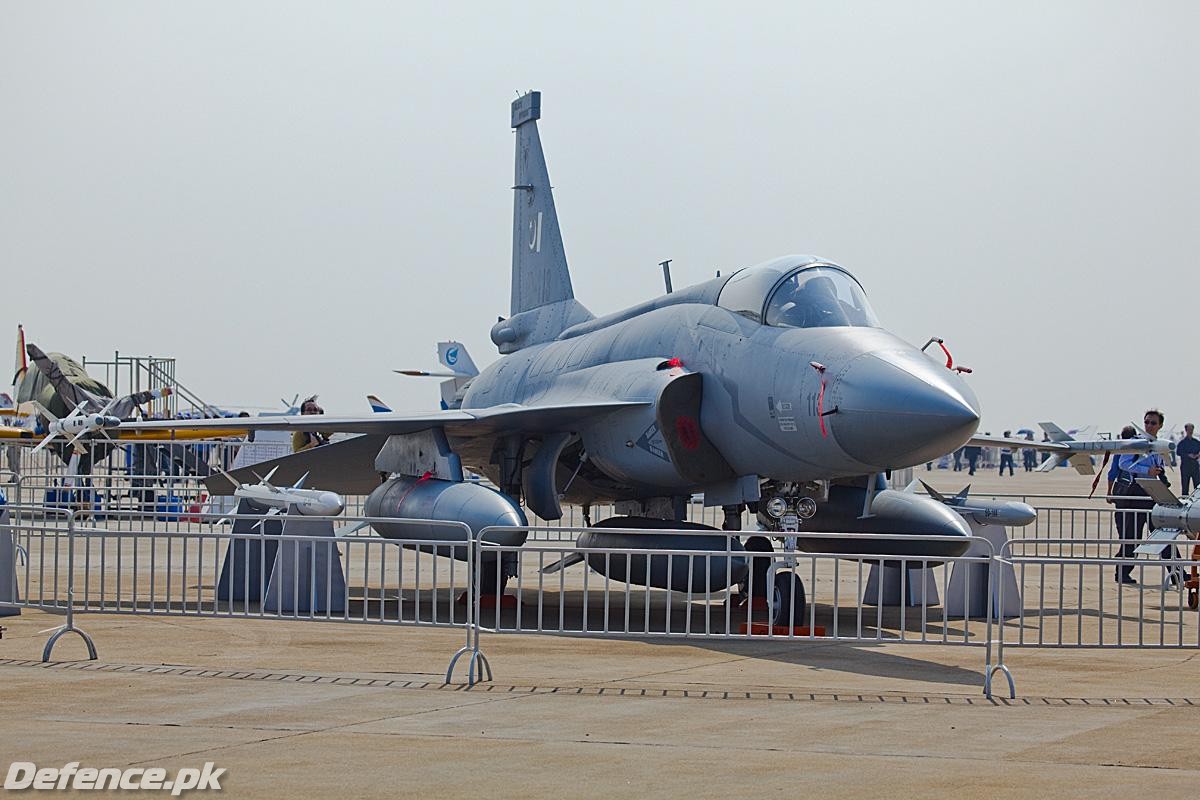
x: 774, y: 386
x: 65, y: 407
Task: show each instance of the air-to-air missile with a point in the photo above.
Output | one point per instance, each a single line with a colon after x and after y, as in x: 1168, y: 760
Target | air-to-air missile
x: 76, y: 424
x: 984, y: 512
x: 1171, y: 513
x: 1063, y: 447
x: 288, y: 499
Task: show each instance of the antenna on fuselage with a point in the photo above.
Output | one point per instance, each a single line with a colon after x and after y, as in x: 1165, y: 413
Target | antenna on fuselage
x: 666, y: 265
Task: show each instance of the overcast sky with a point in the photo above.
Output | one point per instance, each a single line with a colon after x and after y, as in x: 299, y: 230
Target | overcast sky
x: 300, y: 197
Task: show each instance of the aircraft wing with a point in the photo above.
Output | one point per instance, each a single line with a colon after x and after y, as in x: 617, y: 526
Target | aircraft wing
x: 348, y: 466
x: 8, y: 432
x: 462, y: 423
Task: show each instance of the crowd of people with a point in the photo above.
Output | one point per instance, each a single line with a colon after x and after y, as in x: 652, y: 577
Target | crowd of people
x: 973, y: 457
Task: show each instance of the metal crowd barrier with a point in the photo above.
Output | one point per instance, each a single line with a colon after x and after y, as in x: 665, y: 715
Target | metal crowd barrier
x: 1076, y: 600
x: 72, y: 565
x: 873, y: 596
x: 72, y: 562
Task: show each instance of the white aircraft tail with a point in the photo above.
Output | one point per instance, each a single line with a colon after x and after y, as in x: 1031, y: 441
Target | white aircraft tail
x: 1056, y: 433
x: 542, y: 303
x: 21, y: 364
x: 454, y: 356
x: 460, y: 369
x: 377, y: 405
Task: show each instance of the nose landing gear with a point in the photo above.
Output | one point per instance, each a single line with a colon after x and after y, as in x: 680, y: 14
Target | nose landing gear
x: 772, y: 585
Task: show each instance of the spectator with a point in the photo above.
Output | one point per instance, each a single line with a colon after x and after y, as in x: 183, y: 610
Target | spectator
x: 306, y: 440
x: 1028, y: 454
x: 972, y: 453
x: 1134, y: 504
x: 1006, y: 456
x: 1188, y: 451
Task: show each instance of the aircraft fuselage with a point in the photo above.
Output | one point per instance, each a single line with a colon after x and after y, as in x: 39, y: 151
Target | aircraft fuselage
x: 884, y: 404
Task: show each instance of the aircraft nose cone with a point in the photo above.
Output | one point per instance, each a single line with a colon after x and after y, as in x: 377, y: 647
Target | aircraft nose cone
x: 901, y: 409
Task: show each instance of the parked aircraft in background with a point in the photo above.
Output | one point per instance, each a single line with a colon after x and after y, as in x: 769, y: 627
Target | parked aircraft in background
x: 460, y: 369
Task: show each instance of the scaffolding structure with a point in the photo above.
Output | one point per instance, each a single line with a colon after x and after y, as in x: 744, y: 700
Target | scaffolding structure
x: 126, y: 375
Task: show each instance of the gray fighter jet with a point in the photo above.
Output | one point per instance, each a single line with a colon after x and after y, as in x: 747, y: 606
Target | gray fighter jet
x: 774, y: 386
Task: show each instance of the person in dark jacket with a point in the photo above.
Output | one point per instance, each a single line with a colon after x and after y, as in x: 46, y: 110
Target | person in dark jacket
x: 1188, y: 450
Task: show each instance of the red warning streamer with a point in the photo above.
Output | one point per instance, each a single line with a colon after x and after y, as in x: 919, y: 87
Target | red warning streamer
x: 949, y: 358
x: 1103, y: 470
x: 820, y: 368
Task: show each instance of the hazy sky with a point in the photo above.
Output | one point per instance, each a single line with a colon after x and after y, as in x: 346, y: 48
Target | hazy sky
x: 299, y: 197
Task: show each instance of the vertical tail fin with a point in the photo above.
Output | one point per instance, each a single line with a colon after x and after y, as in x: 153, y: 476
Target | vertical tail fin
x: 454, y: 356
x: 1056, y: 433
x: 539, y: 264
x: 21, y: 364
x: 543, y: 303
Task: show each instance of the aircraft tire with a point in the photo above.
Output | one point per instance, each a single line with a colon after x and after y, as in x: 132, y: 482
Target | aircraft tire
x: 759, y: 564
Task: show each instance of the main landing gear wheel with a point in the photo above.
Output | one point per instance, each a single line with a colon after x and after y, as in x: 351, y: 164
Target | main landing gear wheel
x: 1193, y: 600
x: 788, y: 605
x: 759, y: 565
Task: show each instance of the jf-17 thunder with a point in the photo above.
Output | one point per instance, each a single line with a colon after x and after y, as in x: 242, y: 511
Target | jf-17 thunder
x: 774, y: 387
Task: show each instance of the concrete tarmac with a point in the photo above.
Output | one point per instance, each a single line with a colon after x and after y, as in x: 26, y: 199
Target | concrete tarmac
x: 307, y: 709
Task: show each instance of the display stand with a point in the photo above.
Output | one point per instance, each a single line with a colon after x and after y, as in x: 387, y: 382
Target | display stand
x: 250, y: 558
x: 969, y: 592
x: 919, y: 587
x: 307, y: 577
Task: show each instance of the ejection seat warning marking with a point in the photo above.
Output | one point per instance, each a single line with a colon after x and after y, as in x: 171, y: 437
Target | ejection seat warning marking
x: 652, y: 442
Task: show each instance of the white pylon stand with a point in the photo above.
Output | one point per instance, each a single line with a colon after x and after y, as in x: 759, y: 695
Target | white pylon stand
x: 250, y: 558
x: 9, y: 588
x: 970, y: 595
x: 307, y: 576
x: 917, y: 588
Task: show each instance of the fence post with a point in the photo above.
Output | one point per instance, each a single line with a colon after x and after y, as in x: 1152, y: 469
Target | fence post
x: 477, y: 660
x: 70, y: 626
x: 995, y: 564
x: 10, y: 595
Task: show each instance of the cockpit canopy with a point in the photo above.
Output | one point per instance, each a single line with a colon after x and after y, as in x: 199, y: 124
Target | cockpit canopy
x: 799, y: 293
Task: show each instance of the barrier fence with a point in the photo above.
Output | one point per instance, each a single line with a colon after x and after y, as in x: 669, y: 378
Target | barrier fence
x: 63, y: 563
x: 1033, y: 591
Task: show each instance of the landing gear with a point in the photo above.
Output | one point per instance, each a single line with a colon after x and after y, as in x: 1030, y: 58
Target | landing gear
x: 758, y: 579
x: 788, y: 606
